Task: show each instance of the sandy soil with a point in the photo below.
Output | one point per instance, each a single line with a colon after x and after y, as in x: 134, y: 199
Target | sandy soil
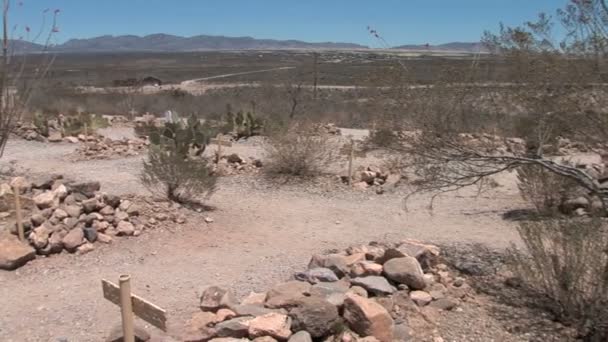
x: 262, y: 233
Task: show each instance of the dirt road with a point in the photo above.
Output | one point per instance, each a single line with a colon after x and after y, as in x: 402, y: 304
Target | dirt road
x: 261, y: 235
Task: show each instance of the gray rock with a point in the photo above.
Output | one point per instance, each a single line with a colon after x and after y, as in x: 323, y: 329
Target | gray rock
x: 250, y: 310
x: 236, y: 327
x: 90, y: 205
x: 316, y: 316
x: 90, y: 234
x: 88, y: 189
x: 37, y: 219
x: 112, y: 200
x: 405, y: 271
x: 375, y: 284
x: 317, y: 275
x: 214, y: 298
x: 116, y: 334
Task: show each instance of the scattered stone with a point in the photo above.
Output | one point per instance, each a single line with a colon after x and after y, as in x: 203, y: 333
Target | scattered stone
x: 116, y: 334
x: 14, y: 253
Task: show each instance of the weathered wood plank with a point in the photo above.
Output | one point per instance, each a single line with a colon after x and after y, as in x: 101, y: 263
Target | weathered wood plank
x: 141, y: 308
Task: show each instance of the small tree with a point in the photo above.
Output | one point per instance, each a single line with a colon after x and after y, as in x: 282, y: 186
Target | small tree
x: 175, y: 167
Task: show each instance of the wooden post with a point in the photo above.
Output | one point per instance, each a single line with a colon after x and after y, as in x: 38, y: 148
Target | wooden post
x: 126, y: 308
x: 351, y: 156
x: 18, y: 215
x: 219, y: 148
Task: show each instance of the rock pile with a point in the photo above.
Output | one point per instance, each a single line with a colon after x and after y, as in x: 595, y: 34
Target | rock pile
x: 235, y: 164
x: 73, y: 216
x: 376, y: 292
x: 373, y: 177
x: 106, y: 148
x: 28, y: 132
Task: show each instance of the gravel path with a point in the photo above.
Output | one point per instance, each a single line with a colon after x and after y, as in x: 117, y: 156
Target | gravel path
x: 261, y: 235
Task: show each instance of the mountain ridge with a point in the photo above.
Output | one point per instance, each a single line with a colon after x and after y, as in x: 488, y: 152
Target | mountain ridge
x: 161, y: 42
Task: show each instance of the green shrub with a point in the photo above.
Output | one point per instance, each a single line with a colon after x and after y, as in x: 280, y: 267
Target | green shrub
x: 175, y: 167
x: 75, y: 124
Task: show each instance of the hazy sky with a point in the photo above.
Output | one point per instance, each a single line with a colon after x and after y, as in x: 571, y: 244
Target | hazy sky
x: 399, y: 21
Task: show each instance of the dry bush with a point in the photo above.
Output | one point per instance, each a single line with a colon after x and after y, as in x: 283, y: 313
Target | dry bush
x: 544, y: 189
x: 298, y: 151
x: 178, y: 178
x: 382, y: 138
x: 566, y: 263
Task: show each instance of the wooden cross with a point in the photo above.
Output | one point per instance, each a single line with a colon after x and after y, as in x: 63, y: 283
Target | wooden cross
x: 130, y: 305
x: 219, y: 141
x: 351, y: 151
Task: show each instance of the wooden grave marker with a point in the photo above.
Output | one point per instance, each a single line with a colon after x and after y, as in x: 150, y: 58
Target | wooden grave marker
x: 351, y: 151
x: 219, y: 141
x: 130, y: 305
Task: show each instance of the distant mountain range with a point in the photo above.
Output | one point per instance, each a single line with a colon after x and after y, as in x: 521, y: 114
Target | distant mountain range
x: 170, y: 43
x: 455, y: 46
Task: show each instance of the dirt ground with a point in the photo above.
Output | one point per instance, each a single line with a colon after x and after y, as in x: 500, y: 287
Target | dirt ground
x: 262, y: 233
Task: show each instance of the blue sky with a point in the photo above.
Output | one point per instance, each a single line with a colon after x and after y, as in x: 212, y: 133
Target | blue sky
x: 399, y: 21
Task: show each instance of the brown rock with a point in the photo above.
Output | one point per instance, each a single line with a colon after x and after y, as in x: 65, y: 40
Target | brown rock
x: 287, y: 294
x: 103, y: 238
x: 199, y: 327
x: 224, y: 314
x: 73, y: 210
x: 366, y: 268
x: 14, y: 253
x: 73, y: 240
x: 125, y: 228
x: 39, y: 237
x: 86, y: 248
x: 368, y: 318
x: 255, y: 298
x: 273, y: 324
x: 421, y: 298
x: 45, y: 200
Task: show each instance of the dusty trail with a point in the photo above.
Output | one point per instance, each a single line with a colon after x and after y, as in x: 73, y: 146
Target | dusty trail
x: 260, y: 236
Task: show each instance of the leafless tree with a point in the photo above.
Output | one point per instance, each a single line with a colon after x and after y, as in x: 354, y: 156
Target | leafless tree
x: 552, y: 89
x: 18, y: 77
